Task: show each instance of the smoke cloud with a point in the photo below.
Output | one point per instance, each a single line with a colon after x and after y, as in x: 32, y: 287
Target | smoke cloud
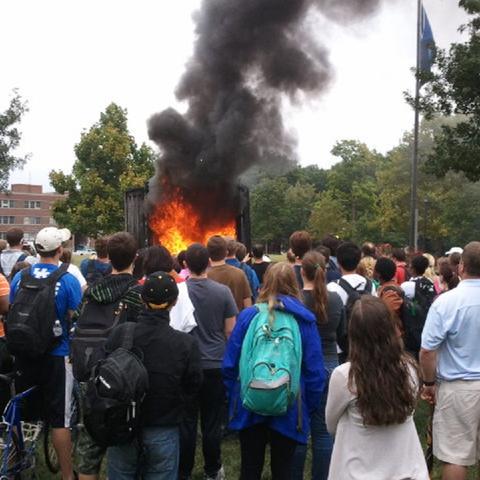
x: 249, y: 55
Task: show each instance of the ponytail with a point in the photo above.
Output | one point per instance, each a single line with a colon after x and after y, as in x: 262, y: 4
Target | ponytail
x: 313, y: 265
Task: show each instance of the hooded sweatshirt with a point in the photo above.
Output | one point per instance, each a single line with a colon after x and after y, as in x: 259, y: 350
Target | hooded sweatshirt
x: 114, y: 288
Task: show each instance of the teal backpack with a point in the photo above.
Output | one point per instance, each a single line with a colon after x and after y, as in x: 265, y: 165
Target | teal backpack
x: 270, y: 362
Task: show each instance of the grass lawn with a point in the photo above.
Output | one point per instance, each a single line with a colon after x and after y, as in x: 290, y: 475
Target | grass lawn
x: 231, y: 455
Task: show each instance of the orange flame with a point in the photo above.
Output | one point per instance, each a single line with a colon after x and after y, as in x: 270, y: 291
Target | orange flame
x: 177, y: 225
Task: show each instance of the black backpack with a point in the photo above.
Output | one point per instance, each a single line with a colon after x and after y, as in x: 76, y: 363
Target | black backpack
x: 93, y: 274
x: 93, y: 326
x: 114, y: 394
x: 413, y: 313
x: 32, y: 326
x: 353, y: 295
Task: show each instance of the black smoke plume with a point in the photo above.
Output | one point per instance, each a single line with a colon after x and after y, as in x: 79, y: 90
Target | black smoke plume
x: 249, y: 55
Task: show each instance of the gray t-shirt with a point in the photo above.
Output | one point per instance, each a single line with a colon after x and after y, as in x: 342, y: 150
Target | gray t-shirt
x: 9, y: 258
x: 213, y: 303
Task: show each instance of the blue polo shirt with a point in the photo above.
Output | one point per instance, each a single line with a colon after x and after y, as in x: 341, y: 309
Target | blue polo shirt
x: 452, y: 329
x: 68, y: 295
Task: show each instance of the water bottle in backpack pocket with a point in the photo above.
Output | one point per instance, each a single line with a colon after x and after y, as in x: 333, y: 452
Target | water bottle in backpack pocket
x: 270, y: 362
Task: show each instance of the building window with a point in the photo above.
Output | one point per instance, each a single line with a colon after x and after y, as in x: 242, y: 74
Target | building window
x: 7, y: 220
x: 8, y: 204
x: 32, y: 204
x: 32, y: 220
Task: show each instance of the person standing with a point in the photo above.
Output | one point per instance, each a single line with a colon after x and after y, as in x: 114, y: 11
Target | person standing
x: 371, y: 400
x: 94, y: 269
x: 234, y: 278
x: 283, y: 432
x: 258, y: 263
x: 300, y: 243
x: 14, y: 253
x: 215, y: 312
x: 172, y: 361
x: 52, y: 372
x: 331, y: 324
x: 450, y: 362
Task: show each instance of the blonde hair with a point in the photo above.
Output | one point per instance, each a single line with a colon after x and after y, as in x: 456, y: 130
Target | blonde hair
x: 279, y: 279
x: 366, y: 267
x: 430, y: 271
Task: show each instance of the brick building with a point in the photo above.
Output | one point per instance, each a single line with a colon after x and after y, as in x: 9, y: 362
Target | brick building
x: 27, y: 207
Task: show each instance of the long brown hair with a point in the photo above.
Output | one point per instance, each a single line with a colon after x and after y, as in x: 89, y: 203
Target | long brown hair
x: 313, y: 267
x: 380, y: 371
x: 279, y: 279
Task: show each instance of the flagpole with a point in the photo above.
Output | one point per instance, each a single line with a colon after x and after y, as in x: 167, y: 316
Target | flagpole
x: 414, y: 172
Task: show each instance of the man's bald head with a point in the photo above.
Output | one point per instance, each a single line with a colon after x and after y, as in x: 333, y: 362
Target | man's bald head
x: 471, y: 259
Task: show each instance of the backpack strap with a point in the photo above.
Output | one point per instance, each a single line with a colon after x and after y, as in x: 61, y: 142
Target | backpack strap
x: 128, y: 335
x: 55, y: 276
x: 22, y: 257
x: 1, y: 268
x: 349, y: 289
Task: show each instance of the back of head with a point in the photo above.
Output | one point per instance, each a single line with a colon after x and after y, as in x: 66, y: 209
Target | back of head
x: 217, y: 248
x: 160, y: 291
x: 18, y: 267
x: 369, y: 250
x: 348, y: 256
x: 241, y: 251
x: 101, y: 247
x: 325, y: 251
x: 258, y: 251
x: 471, y: 259
x: 332, y: 242
x: 3, y: 245
x: 379, y: 371
x: 419, y: 265
x: 279, y: 279
x: 385, y: 269
x: 366, y: 267
x: 157, y: 259
x: 300, y: 242
x: 231, y: 247
x: 66, y: 256
x: 122, y: 250
x: 447, y: 273
x: 313, y: 268
x: 455, y: 259
x: 14, y: 236
x: 399, y: 254
x: 430, y: 271
x: 181, y: 258
x: 197, y: 258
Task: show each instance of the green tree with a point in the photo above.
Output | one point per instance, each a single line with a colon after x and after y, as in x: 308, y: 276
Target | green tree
x: 299, y: 200
x: 352, y: 181
x: 108, y: 163
x: 455, y: 89
x: 328, y: 216
x: 268, y: 210
x: 10, y: 138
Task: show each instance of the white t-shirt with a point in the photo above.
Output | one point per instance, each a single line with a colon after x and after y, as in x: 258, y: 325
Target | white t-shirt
x: 75, y: 271
x: 181, y: 315
x: 355, y: 280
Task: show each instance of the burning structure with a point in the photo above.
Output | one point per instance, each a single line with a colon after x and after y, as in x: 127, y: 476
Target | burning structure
x: 249, y: 56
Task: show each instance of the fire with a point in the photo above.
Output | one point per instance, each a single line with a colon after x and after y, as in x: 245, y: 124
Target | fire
x: 177, y: 225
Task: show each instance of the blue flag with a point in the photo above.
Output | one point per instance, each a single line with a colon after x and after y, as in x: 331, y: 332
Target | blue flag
x: 427, y: 44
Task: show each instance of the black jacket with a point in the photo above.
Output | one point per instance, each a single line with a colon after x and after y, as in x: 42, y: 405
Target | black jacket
x: 172, y: 360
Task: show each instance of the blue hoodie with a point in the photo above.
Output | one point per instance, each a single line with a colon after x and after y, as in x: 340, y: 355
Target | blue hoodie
x: 312, y: 378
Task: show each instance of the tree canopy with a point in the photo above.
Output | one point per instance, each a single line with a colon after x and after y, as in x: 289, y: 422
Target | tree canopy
x: 455, y: 89
x: 10, y: 137
x: 108, y: 163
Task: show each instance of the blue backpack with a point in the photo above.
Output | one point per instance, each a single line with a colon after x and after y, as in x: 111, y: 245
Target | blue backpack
x: 271, y: 362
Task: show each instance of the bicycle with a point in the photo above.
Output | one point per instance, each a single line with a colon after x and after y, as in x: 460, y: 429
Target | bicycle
x: 18, y: 439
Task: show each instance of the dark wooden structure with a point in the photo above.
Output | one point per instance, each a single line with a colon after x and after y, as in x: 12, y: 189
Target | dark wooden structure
x: 136, y: 220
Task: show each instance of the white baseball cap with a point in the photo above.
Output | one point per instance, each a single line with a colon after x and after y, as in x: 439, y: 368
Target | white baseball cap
x: 50, y: 238
x: 454, y: 250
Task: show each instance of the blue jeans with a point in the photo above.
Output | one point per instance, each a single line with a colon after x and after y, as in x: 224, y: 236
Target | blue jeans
x: 322, y: 441
x: 159, y: 461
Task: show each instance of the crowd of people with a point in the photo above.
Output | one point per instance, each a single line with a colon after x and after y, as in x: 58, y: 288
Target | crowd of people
x: 331, y: 348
